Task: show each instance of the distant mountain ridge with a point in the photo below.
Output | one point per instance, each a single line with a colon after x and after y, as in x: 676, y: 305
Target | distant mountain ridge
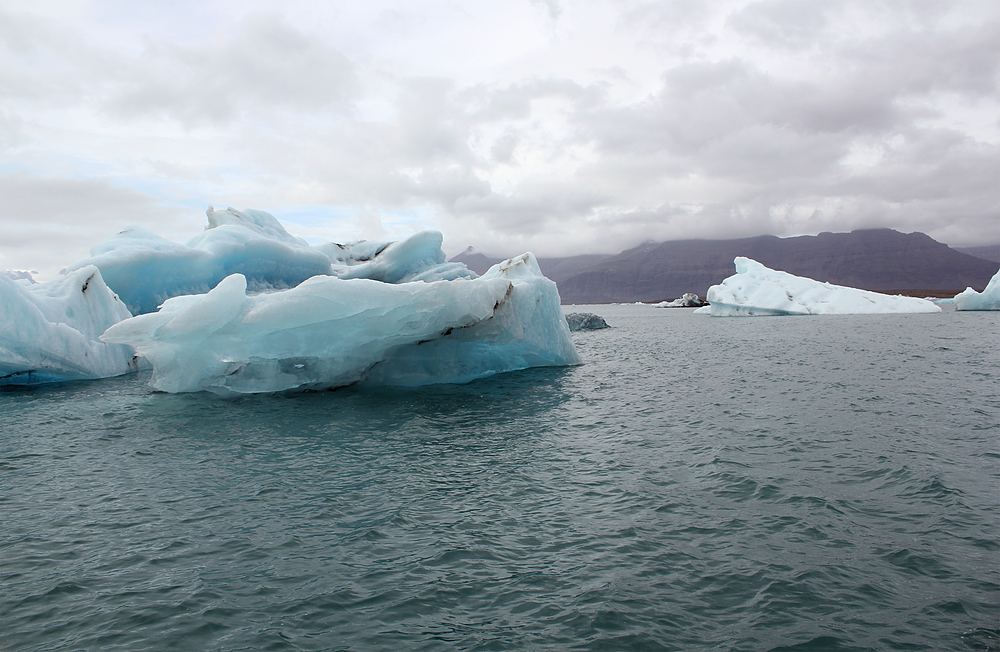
x: 987, y: 252
x: 882, y: 260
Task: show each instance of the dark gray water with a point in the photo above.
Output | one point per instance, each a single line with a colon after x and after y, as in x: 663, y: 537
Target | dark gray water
x: 806, y: 483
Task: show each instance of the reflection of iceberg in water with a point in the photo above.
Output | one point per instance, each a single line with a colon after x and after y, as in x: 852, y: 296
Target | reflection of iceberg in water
x: 756, y: 290
x: 988, y: 299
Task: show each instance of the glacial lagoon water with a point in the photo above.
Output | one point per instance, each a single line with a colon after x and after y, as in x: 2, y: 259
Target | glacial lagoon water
x: 802, y: 483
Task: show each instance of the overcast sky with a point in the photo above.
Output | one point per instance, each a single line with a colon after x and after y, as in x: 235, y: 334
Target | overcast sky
x: 552, y: 126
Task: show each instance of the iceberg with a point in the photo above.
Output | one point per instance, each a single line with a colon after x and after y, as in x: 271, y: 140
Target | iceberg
x: 418, y: 258
x: 688, y: 300
x: 331, y: 331
x: 756, y: 290
x: 585, y: 321
x: 49, y: 331
x: 988, y: 299
x: 246, y: 307
x: 145, y: 269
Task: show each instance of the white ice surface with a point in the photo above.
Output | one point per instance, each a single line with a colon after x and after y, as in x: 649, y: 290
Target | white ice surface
x: 330, y: 332
x: 988, y: 299
x: 49, y: 331
x: 756, y: 290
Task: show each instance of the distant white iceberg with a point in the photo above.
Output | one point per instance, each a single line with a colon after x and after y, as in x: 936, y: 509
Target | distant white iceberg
x: 988, y: 299
x: 756, y: 290
x: 49, y: 331
x: 330, y: 332
x: 688, y: 300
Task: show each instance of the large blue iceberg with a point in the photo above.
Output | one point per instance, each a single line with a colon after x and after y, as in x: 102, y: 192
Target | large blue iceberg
x: 245, y: 307
x: 330, y: 332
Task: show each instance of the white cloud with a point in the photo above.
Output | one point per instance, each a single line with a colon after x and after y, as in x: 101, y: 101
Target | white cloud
x: 556, y: 126
x: 265, y: 65
x: 48, y: 224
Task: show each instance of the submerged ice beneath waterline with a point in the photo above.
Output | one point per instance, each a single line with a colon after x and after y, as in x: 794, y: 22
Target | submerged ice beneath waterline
x: 756, y: 290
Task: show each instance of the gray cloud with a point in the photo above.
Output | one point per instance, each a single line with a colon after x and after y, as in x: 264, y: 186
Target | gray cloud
x: 657, y: 123
x: 790, y: 24
x: 267, y: 64
x: 551, y: 6
x: 48, y: 62
x: 963, y: 59
x: 503, y: 149
x: 48, y: 224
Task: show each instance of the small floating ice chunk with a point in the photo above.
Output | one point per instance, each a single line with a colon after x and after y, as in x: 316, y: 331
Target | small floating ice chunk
x: 988, y: 299
x: 756, y: 290
x: 585, y: 321
x: 49, y: 331
x: 687, y: 300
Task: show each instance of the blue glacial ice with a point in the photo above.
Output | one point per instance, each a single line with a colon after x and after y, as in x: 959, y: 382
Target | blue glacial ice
x: 145, y: 269
x: 988, y: 299
x: 330, y: 332
x: 247, y: 307
x: 418, y: 258
x: 756, y: 290
x: 49, y: 331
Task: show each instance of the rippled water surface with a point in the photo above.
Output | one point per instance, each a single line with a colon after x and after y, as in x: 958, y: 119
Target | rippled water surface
x: 805, y: 483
